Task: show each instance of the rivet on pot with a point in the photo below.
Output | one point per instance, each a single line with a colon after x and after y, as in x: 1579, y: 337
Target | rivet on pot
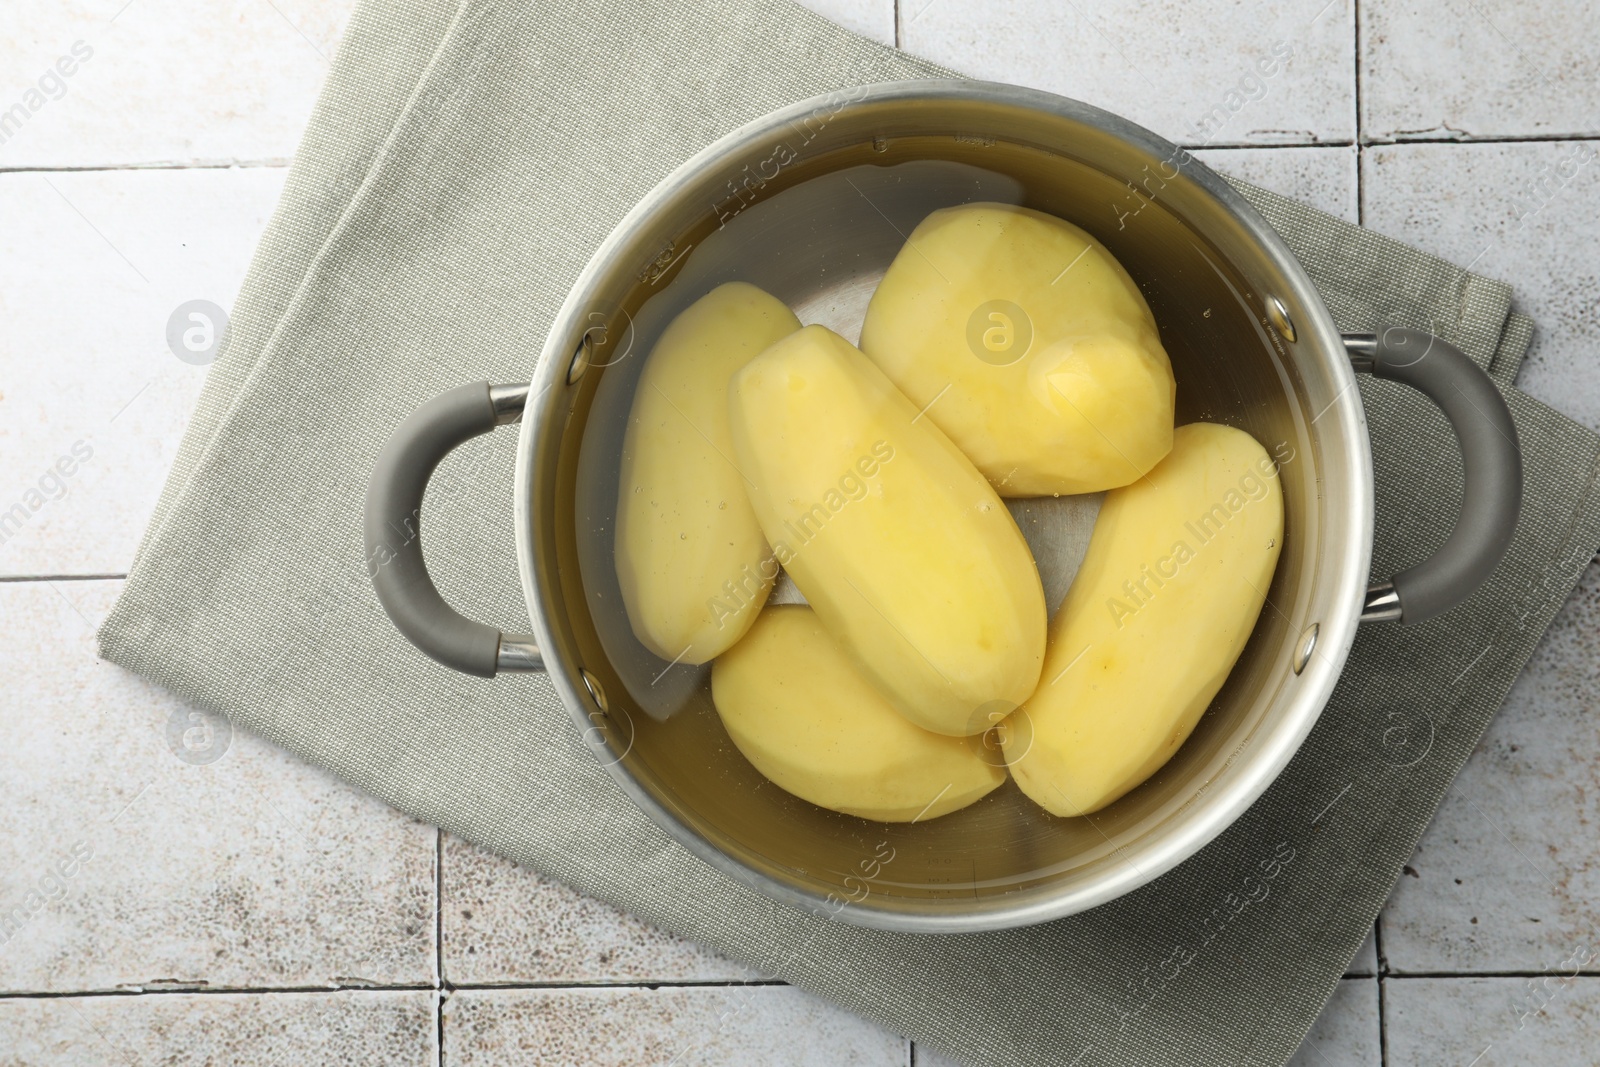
x: 591, y: 683
x: 580, y: 359
x: 1278, y: 316
x: 1308, y: 645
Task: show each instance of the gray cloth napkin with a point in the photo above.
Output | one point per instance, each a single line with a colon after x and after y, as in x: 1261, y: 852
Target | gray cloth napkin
x: 461, y: 165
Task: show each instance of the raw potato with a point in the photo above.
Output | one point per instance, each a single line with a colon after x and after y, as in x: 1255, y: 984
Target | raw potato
x: 802, y: 713
x: 907, y: 555
x: 693, y: 564
x: 1169, y: 591
x: 1035, y: 349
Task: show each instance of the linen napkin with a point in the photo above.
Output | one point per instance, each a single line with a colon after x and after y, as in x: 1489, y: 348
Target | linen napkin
x: 463, y: 162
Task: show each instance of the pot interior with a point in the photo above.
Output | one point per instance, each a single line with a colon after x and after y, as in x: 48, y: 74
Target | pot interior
x: 817, y: 230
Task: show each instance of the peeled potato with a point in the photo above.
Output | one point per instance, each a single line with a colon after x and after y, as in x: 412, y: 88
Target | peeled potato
x: 1175, y: 576
x: 801, y: 712
x: 693, y: 564
x: 1030, y: 347
x: 907, y: 555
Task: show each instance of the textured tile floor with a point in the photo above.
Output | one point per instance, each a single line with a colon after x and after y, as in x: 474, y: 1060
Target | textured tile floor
x: 191, y: 895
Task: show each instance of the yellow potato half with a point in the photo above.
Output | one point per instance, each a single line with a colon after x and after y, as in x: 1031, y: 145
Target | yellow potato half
x: 1031, y: 347
x: 909, y: 558
x: 1175, y: 576
x: 693, y: 564
x: 801, y: 712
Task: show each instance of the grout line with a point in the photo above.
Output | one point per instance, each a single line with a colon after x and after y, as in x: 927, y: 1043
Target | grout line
x: 1360, y: 219
x: 438, y: 944
x: 396, y: 987
x: 1383, y: 1001
x: 1361, y: 189
x: 1246, y: 146
x: 99, y: 994
x: 1469, y: 138
x: 897, y: 42
x: 1383, y: 1023
x: 1355, y: 26
x: 200, y: 164
x: 1544, y: 973
x: 438, y: 907
x: 20, y: 578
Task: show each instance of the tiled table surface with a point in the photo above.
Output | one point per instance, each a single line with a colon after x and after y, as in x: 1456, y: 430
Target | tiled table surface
x: 187, y: 895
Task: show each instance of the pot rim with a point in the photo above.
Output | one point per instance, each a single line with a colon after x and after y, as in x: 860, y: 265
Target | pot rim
x: 1271, y: 750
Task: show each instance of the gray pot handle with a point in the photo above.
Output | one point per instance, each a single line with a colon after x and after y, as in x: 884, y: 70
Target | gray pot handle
x: 1491, y: 462
x: 392, y: 524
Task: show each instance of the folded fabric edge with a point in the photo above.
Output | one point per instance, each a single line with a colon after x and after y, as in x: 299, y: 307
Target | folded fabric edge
x: 1513, y: 348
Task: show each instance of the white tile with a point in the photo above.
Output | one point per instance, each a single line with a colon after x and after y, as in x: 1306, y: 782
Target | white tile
x: 92, y: 267
x: 240, y: 1030
x: 728, y: 1026
x: 503, y: 924
x: 1526, y: 213
x: 873, y: 19
x: 1507, y: 877
x: 1347, y: 1033
x: 1484, y: 68
x: 1365, y: 962
x: 1188, y: 71
x: 1324, y: 178
x: 1546, y: 1021
x: 163, y: 81
x: 148, y: 846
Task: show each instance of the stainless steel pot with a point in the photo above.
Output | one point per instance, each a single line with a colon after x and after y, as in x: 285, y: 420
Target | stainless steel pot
x: 811, y: 203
